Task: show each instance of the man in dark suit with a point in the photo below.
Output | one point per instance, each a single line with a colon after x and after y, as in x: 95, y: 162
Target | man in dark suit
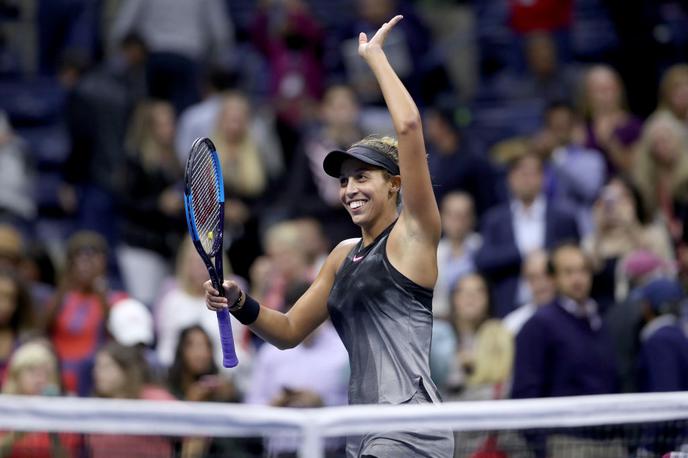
x: 513, y: 230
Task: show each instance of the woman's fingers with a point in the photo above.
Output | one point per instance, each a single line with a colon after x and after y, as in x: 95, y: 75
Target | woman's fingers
x: 213, y: 300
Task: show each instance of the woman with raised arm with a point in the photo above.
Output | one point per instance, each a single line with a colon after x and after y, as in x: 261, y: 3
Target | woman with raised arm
x: 377, y: 289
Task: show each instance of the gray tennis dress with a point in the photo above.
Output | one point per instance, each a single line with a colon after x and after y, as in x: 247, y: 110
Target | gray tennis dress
x: 385, y: 322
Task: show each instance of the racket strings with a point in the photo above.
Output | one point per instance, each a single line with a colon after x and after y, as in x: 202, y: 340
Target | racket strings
x: 205, y: 197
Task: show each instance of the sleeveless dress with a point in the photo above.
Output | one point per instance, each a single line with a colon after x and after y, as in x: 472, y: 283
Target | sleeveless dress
x: 385, y: 322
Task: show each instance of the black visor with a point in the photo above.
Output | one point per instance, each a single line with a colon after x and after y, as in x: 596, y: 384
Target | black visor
x: 334, y: 159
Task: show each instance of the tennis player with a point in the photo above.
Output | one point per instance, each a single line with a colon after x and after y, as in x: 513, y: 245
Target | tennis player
x: 377, y: 289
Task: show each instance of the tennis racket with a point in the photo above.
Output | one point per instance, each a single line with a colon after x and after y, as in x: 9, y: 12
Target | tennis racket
x: 204, y: 202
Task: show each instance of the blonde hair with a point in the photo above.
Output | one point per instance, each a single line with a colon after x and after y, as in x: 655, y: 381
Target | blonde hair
x: 389, y: 146
x: 31, y: 354
x: 584, y: 100
x: 645, y: 167
x: 494, y: 354
x: 140, y: 139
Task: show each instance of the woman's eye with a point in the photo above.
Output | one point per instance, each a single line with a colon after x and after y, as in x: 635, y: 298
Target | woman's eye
x: 342, y: 182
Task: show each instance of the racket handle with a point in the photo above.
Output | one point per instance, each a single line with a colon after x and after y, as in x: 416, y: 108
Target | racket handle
x: 229, y: 357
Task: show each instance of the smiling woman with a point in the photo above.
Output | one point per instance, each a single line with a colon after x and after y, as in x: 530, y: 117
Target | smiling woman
x: 377, y: 289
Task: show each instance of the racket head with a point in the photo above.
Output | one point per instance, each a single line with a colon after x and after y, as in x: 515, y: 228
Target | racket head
x: 204, y: 197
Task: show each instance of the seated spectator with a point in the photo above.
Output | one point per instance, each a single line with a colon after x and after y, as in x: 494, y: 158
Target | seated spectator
x: 565, y: 349
x: 619, y: 230
x: 77, y: 315
x: 182, y: 305
x: 574, y: 174
x: 315, y: 373
x: 455, y: 251
x: 470, y: 307
x: 609, y: 126
x: 661, y: 173
x: 541, y: 288
x: 511, y: 231
x: 33, y: 371
x: 120, y: 373
x: 673, y: 93
x: 11, y: 247
x: 16, y: 316
x: 453, y: 166
x: 152, y: 208
x: 17, y: 187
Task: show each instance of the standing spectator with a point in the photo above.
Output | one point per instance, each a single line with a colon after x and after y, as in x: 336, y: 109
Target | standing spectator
x: 575, y: 174
x: 16, y: 315
x: 151, y: 201
x: 609, y: 126
x: 34, y: 371
x: 17, y: 193
x: 513, y: 230
x: 565, y: 348
x: 121, y: 373
x: 77, y: 317
x: 455, y: 251
x: 542, y: 291
x: 178, y: 34
x: 453, y: 166
x: 290, y: 38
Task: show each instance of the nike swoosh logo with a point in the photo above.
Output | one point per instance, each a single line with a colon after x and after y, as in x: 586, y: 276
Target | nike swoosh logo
x: 358, y: 258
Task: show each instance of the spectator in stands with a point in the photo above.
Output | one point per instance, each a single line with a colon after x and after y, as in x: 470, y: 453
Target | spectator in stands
x: 565, y: 348
x: 470, y: 307
x: 11, y: 247
x: 315, y: 373
x: 179, y: 36
x: 661, y: 173
x: 34, y: 371
x: 609, y: 126
x: 453, y: 166
x: 121, y: 373
x: 455, y: 251
x: 311, y: 192
x: 575, y: 174
x: 152, y: 208
x: 542, y: 291
x: 511, y: 231
x: 673, y: 93
x: 77, y: 314
x: 290, y: 38
x: 16, y: 315
x: 179, y: 307
x: 620, y: 229
x: 17, y: 187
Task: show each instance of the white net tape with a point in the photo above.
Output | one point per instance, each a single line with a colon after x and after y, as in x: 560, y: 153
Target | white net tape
x: 205, y: 419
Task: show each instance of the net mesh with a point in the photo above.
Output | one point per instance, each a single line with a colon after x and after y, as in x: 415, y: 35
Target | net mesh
x: 654, y: 426
x: 203, y: 181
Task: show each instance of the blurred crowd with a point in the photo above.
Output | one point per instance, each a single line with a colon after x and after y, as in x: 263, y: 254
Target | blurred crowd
x: 557, y: 138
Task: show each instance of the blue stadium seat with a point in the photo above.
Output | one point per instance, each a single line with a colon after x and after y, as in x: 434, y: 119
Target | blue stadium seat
x: 48, y: 144
x: 36, y: 101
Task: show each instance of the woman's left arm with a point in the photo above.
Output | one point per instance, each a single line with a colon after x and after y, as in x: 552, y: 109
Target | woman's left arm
x: 420, y: 207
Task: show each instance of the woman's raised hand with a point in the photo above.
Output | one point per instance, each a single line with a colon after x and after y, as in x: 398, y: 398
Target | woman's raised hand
x: 366, y: 48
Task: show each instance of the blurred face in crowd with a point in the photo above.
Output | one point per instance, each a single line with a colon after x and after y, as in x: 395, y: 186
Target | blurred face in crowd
x: 34, y: 380
x: 470, y: 299
x: 197, y: 353
x: 615, y: 205
x: 8, y: 299
x: 666, y: 138
x: 339, y: 107
x: 603, y: 89
x: 560, y: 123
x: 234, y: 117
x: 109, y: 378
x: 572, y: 273
x: 676, y: 93
x: 539, y: 281
x: 440, y: 133
x: 457, y: 216
x: 525, y: 179
x: 163, y: 123
x: 376, y: 11
x: 88, y: 265
x: 541, y: 53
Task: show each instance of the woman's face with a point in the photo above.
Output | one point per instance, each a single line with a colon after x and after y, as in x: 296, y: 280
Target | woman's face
x: 664, y: 143
x: 364, y: 191
x: 234, y: 119
x: 88, y: 265
x: 603, y: 90
x: 8, y: 300
x: 197, y: 354
x: 470, y: 299
x: 34, y: 380
x: 110, y: 379
x: 163, y: 123
x: 678, y: 96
